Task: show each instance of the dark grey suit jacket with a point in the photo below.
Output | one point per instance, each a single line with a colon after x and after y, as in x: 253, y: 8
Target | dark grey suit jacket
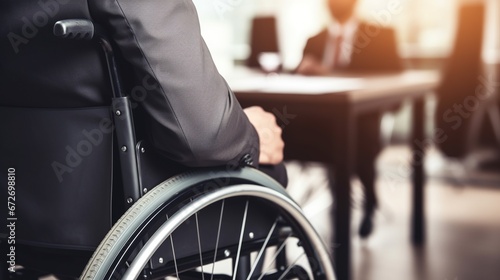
x: 185, y: 106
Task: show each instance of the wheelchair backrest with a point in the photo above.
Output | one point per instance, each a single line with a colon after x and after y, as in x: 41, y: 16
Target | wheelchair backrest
x: 62, y: 161
x: 57, y: 135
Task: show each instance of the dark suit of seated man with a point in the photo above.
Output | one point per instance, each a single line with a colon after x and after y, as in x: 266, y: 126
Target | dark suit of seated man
x: 351, y: 46
x: 185, y: 107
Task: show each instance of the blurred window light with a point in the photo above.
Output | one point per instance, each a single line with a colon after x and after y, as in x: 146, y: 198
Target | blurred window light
x: 491, y: 53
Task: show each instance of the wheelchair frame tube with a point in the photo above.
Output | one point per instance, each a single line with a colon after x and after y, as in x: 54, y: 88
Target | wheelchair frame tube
x: 125, y: 136
x: 124, y: 125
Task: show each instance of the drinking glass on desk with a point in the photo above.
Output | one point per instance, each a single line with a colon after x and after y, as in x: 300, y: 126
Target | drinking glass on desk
x: 270, y: 62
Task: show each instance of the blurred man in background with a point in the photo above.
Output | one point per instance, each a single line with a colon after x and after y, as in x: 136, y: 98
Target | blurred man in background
x: 351, y: 46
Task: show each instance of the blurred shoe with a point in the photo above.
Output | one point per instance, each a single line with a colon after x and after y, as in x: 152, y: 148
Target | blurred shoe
x: 366, y: 226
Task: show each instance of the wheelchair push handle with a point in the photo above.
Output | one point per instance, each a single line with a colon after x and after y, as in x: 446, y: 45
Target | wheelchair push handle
x: 82, y: 29
x: 78, y: 29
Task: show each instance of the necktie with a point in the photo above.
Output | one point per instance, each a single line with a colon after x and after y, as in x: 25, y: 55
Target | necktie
x: 333, y: 52
x: 338, y: 51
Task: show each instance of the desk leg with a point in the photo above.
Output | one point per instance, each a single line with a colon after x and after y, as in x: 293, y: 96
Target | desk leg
x: 340, y: 183
x: 418, y: 176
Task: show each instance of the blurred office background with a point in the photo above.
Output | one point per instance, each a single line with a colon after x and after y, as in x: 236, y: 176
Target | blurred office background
x: 426, y: 33
x: 425, y: 28
x: 463, y: 193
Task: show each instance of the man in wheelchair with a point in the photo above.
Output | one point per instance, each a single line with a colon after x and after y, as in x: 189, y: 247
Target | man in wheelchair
x: 167, y: 110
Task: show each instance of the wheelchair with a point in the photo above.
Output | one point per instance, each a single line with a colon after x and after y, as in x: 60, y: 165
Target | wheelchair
x: 231, y: 222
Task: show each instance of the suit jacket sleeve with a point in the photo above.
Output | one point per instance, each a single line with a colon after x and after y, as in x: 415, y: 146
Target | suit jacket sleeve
x: 196, y: 119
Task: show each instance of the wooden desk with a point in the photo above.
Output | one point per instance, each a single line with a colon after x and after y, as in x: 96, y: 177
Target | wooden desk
x: 312, y: 120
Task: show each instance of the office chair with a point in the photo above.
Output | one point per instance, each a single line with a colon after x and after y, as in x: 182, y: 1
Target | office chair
x: 263, y: 38
x: 67, y: 190
x: 461, y: 84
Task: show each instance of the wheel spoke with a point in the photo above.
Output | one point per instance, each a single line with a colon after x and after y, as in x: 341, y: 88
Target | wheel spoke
x: 275, y: 256
x: 262, y: 250
x: 199, y: 244
x: 218, y: 236
x: 290, y: 266
x: 173, y: 254
x: 241, y: 240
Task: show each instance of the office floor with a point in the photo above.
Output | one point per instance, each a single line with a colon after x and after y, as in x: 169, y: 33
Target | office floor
x: 463, y: 219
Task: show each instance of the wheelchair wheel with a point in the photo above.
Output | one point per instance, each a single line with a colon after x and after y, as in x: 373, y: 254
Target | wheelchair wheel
x: 217, y: 225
